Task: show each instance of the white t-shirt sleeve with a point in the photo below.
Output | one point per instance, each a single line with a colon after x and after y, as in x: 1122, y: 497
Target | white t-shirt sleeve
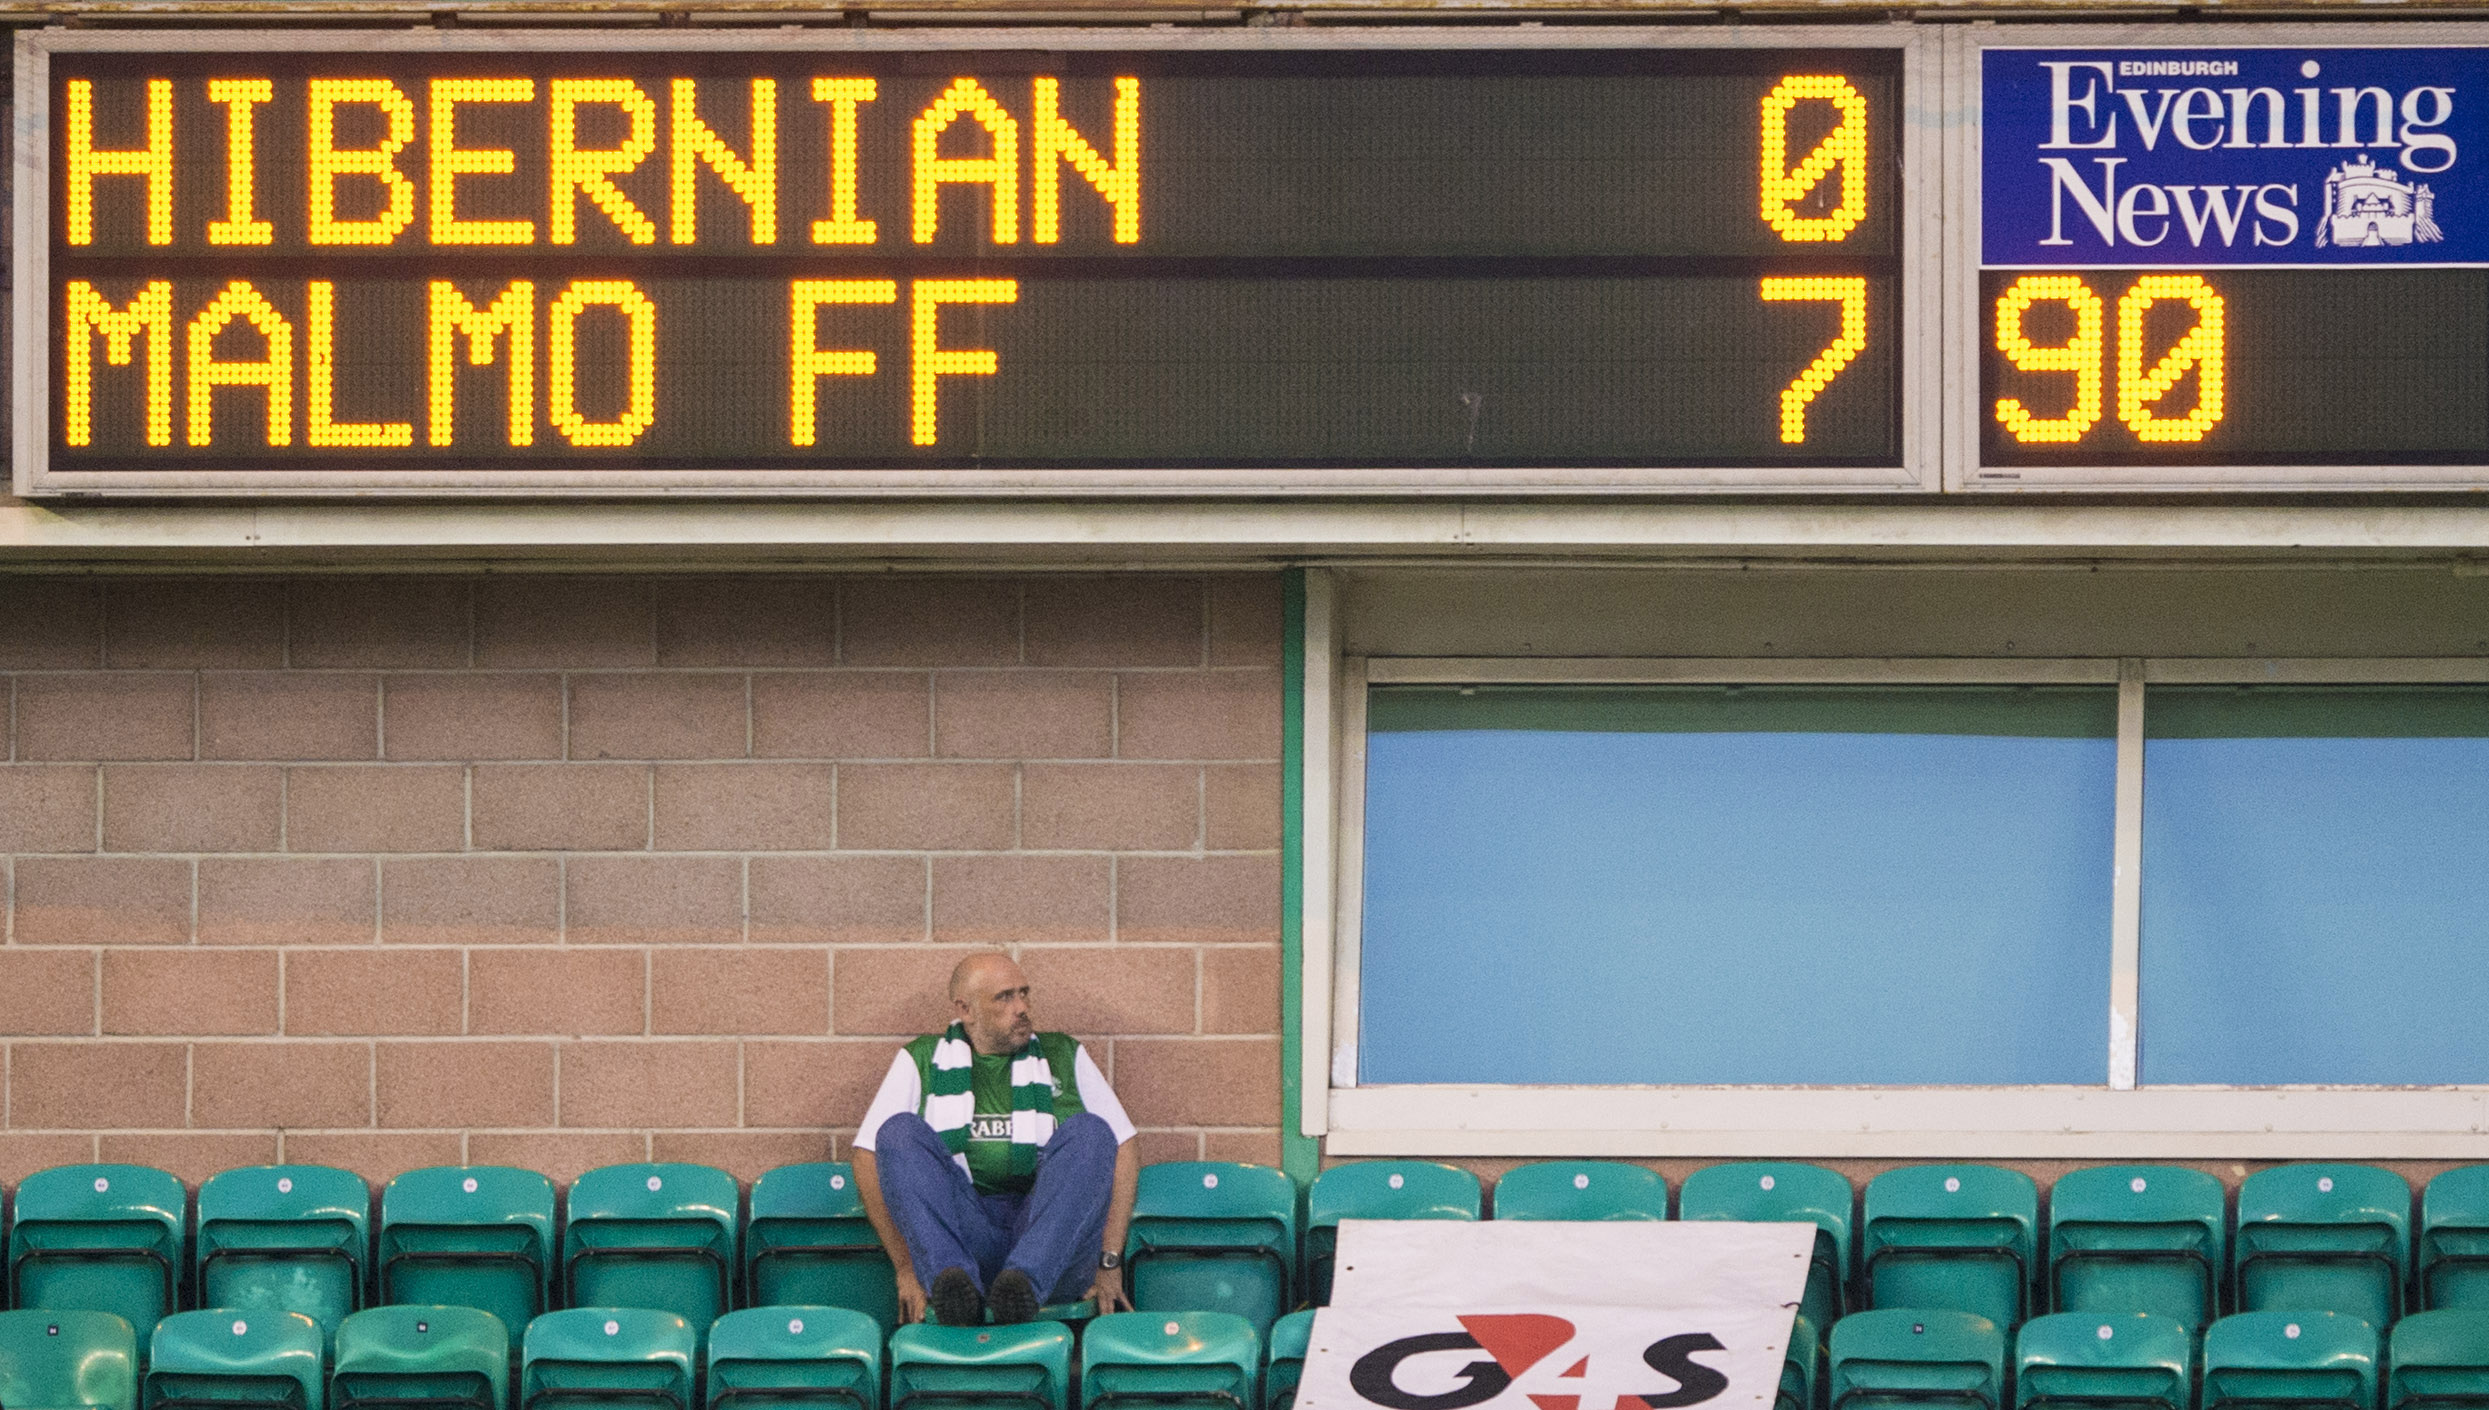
x: 1096, y: 1096
x: 899, y: 1093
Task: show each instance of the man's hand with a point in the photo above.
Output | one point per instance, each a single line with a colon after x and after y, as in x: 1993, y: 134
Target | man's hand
x: 1108, y: 1291
x: 911, y: 1297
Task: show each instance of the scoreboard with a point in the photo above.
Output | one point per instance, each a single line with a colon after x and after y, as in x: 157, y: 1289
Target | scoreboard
x: 1491, y: 260
x: 621, y: 262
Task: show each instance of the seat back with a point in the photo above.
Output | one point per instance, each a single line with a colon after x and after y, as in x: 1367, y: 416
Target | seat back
x: 1764, y: 1191
x: 2294, y: 1359
x: 1958, y: 1236
x: 2138, y: 1238
x: 1801, y: 1366
x: 1378, y: 1189
x: 1581, y: 1189
x: 2453, y: 1249
x: 285, y: 1238
x: 2438, y: 1358
x: 2137, y: 1359
x: 1024, y: 1367
x: 795, y: 1356
x: 59, y: 1360
x: 608, y: 1357
x: 468, y: 1236
x: 233, y: 1359
x: 1203, y: 1360
x: 100, y: 1238
x: 808, y: 1243
x: 1912, y: 1357
x: 659, y: 1236
x: 1284, y: 1363
x: 2323, y: 1237
x: 407, y: 1357
x: 1213, y: 1236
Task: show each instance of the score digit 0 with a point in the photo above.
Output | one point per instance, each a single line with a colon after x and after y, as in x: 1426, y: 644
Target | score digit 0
x: 1844, y: 150
x: 2204, y: 349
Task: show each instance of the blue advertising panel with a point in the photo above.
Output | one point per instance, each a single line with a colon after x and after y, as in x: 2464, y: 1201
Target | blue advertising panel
x: 2314, y: 157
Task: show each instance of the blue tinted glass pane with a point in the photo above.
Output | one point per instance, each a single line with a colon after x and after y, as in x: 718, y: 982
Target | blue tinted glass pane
x: 1759, y: 886
x: 2316, y: 886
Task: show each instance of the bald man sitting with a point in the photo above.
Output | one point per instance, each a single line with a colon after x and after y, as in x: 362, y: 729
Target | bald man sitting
x: 996, y: 1164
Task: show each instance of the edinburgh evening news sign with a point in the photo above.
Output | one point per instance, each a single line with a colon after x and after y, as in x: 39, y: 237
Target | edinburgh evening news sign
x: 2314, y: 157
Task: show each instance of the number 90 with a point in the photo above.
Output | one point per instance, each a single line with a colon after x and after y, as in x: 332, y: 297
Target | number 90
x: 2203, y: 349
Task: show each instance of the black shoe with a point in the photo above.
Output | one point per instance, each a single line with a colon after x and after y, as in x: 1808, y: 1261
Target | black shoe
x: 955, y: 1300
x: 1014, y: 1298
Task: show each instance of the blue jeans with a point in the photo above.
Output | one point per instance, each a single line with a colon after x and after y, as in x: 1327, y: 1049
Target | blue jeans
x: 1053, y: 1233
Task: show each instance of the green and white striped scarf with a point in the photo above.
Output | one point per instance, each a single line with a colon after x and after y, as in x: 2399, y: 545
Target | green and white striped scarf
x: 997, y: 1149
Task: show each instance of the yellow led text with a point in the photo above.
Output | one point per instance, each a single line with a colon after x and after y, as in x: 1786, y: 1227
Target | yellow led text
x: 639, y: 408
x: 1119, y: 182
x: 756, y: 181
x: 587, y: 172
x: 320, y: 428
x: 91, y: 314
x: 153, y: 161
x: 2079, y: 355
x: 241, y: 97
x: 1844, y: 150
x: 999, y: 168
x: 1851, y: 294
x: 932, y: 361
x: 2202, y: 349
x: 328, y: 164
x: 807, y: 362
x: 448, y: 314
x: 451, y: 161
x: 274, y: 372
x: 842, y: 94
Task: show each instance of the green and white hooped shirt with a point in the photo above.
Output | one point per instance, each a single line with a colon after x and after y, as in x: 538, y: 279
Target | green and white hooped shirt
x: 993, y: 1112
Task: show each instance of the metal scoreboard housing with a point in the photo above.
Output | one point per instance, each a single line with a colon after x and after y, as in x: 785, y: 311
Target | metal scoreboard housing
x: 1911, y: 464
x: 1972, y: 286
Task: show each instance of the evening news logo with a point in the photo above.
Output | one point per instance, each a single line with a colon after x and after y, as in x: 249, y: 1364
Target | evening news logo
x: 2363, y: 205
x: 1518, y: 1342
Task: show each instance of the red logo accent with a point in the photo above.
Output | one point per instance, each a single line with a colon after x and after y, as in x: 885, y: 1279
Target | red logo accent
x: 1519, y: 1340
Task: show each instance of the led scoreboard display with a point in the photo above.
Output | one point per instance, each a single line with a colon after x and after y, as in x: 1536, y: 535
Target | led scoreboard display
x: 438, y: 261
x: 2241, y: 263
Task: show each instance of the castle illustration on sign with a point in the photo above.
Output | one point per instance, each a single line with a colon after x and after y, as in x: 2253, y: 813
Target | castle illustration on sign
x: 2365, y: 206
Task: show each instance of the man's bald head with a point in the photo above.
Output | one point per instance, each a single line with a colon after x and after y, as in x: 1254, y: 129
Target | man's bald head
x: 989, y: 997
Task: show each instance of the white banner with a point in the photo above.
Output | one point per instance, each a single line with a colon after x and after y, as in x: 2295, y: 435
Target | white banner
x: 1556, y: 1316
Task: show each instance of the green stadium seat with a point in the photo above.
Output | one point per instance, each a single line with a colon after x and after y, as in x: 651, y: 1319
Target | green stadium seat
x: 2290, y: 1361
x: 469, y: 1236
x: 1958, y: 1236
x: 2438, y: 1358
x: 609, y: 1358
x: 234, y: 1359
x: 1801, y: 1366
x: 1284, y: 1364
x: 67, y: 1359
x: 660, y: 1237
x: 1213, y: 1236
x: 1028, y: 1366
x: 421, y: 1358
x: 2138, y: 1238
x: 1378, y: 1189
x: 1911, y: 1358
x: 1581, y: 1189
x: 795, y: 1357
x: 99, y: 1238
x: 808, y: 1243
x: 1779, y: 1192
x: 2454, y: 1239
x: 2333, y: 1238
x: 1181, y: 1360
x: 285, y: 1238
x: 2089, y: 1359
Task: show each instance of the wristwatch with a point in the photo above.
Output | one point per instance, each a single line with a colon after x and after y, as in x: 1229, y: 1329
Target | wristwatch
x: 1110, y: 1260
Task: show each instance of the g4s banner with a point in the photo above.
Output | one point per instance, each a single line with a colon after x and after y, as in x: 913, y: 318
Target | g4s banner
x: 1548, y: 1316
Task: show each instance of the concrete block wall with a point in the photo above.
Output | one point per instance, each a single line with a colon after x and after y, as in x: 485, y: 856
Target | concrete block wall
x: 555, y: 871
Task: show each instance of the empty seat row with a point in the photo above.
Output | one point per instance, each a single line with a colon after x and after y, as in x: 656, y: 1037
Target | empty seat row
x: 1919, y: 1358
x: 460, y: 1358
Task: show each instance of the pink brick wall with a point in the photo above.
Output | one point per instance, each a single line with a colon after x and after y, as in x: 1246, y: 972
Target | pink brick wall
x: 552, y: 871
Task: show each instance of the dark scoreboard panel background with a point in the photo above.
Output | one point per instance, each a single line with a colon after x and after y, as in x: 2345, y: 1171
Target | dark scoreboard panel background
x: 1458, y: 258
